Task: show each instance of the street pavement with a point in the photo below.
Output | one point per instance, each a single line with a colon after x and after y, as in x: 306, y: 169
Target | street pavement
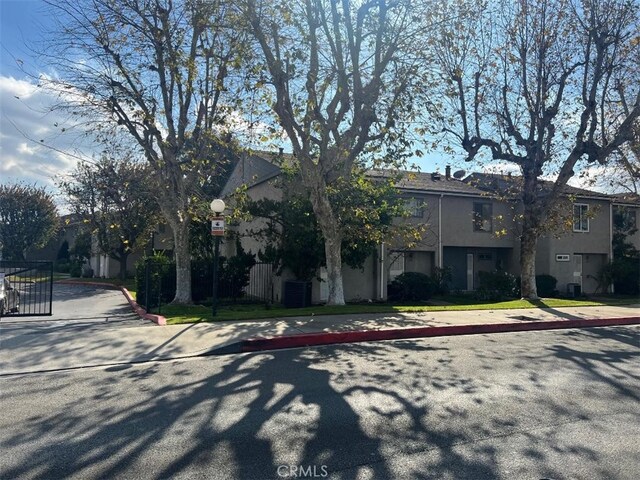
x: 93, y: 327
x: 530, y: 405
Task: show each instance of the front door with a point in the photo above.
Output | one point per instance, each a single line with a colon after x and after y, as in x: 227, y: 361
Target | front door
x: 577, y: 270
x: 469, y: 271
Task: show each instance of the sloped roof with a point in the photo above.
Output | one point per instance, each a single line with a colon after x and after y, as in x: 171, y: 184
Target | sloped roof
x: 629, y: 198
x: 427, y: 182
x: 508, y: 184
x: 252, y: 169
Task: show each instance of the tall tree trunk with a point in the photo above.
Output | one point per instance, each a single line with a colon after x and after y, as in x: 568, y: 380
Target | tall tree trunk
x: 183, y: 261
x: 174, y: 204
x: 531, y: 219
x: 528, y: 244
x: 332, y: 243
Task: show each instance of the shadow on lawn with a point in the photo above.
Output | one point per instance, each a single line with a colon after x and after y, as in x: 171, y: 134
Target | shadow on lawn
x: 379, y: 410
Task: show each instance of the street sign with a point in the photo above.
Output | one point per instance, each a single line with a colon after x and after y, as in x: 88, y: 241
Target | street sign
x: 217, y: 227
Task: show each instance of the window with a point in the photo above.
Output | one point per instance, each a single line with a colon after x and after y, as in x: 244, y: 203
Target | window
x: 562, y: 258
x: 482, y: 217
x: 414, y: 207
x: 624, y: 220
x: 580, y: 217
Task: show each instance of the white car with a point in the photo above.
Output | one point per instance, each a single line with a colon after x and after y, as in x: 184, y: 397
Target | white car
x: 9, y: 298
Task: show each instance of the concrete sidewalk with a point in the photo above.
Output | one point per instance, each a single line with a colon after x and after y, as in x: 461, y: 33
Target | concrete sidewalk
x: 31, y: 348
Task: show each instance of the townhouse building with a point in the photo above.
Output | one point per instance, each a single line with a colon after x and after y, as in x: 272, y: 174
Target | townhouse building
x: 472, y: 225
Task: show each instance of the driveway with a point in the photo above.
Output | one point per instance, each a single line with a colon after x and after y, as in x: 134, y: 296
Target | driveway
x: 81, y: 304
x: 74, y: 333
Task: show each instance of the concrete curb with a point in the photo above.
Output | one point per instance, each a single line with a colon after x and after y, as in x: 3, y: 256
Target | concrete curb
x: 142, y: 313
x: 328, y: 338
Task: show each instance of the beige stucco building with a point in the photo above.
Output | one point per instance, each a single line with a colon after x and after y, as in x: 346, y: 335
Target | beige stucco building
x: 471, y: 226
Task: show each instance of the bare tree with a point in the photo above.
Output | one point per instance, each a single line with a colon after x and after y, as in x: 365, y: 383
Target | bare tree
x: 627, y: 157
x: 339, y: 72
x: 533, y: 83
x: 161, y: 71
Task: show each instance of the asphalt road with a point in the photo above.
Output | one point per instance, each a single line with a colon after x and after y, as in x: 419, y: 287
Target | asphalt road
x: 556, y: 404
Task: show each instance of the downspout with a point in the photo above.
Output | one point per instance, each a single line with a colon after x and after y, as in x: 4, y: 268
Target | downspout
x: 382, y: 271
x: 611, y: 240
x: 440, y: 231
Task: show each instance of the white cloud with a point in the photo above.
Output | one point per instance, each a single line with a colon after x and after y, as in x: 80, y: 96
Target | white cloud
x: 26, y: 149
x: 22, y: 89
x: 501, y: 167
x: 31, y: 135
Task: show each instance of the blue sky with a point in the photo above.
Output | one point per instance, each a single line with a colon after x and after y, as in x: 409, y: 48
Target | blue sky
x: 21, y: 22
x: 24, y: 109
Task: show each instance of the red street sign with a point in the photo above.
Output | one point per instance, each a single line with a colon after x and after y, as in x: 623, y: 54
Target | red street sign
x: 217, y: 227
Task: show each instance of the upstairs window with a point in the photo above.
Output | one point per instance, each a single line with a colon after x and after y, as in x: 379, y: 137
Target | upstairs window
x: 624, y: 220
x: 414, y: 206
x: 580, y: 217
x: 482, y: 217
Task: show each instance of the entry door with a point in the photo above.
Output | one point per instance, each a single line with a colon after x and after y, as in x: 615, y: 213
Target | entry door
x: 469, y: 271
x: 577, y: 270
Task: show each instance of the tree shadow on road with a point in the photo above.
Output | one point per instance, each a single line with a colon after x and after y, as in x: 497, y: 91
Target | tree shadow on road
x: 408, y: 409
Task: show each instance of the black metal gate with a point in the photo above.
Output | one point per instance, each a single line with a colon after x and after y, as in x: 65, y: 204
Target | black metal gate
x: 260, y: 287
x: 26, y: 288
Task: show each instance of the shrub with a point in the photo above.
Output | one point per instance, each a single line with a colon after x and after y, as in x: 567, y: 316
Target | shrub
x: 62, y: 266
x: 162, y: 280
x: 235, y: 273
x: 496, y: 285
x: 624, y: 273
x: 546, y: 285
x: 75, y: 269
x: 233, y: 277
x: 411, y: 286
x: 441, y: 280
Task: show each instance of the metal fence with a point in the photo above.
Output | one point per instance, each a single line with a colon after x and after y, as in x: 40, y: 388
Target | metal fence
x: 156, y: 284
x: 260, y: 287
x: 26, y: 288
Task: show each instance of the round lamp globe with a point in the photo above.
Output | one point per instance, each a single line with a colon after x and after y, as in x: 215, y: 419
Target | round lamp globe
x: 217, y: 206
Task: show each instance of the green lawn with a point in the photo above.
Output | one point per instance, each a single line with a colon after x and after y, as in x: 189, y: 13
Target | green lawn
x: 44, y: 277
x: 198, y: 313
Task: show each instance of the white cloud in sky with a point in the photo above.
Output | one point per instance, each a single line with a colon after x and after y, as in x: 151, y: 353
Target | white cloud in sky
x: 28, y: 128
x: 589, y: 177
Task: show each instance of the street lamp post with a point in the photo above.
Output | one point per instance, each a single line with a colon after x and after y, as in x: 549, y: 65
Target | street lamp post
x: 217, y: 230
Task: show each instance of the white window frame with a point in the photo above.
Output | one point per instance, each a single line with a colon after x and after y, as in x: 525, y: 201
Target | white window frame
x: 585, y: 214
x: 415, y: 207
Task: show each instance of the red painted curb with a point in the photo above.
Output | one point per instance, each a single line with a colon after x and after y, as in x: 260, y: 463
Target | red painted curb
x: 159, y: 319
x: 142, y: 313
x: 328, y: 338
